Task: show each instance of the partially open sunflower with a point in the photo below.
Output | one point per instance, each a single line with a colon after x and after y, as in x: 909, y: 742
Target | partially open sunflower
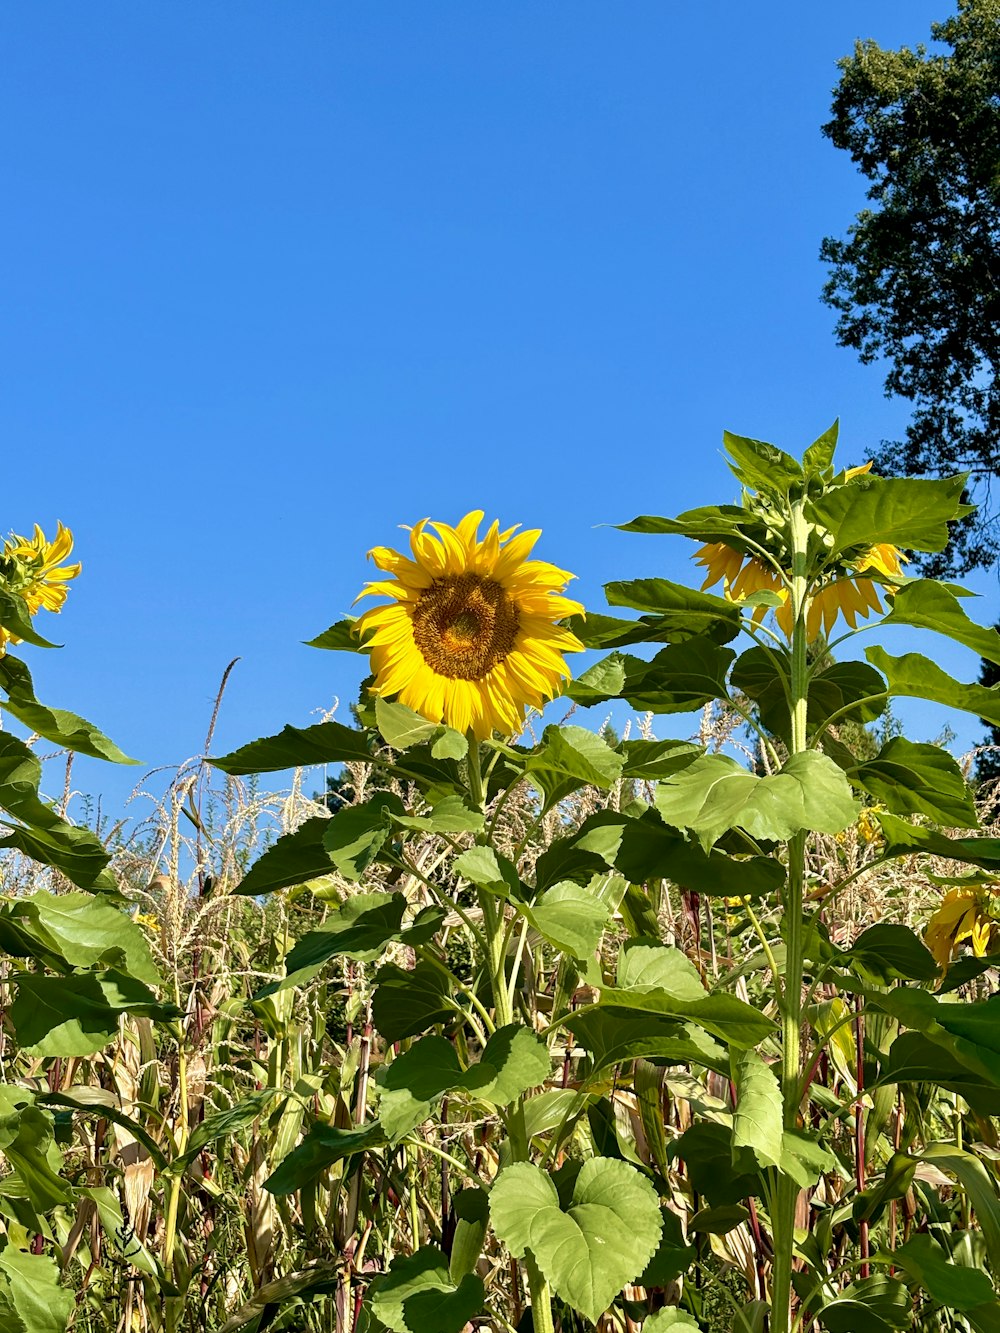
x: 471, y: 636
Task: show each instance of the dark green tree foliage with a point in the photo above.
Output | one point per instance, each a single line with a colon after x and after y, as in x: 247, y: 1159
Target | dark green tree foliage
x: 917, y: 281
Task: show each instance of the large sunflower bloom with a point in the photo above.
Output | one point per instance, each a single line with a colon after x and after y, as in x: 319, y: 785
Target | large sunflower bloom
x: 470, y: 637
x: 34, y: 569
x: 961, y: 916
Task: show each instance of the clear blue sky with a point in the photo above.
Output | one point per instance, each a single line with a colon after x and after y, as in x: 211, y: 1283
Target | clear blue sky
x: 280, y: 276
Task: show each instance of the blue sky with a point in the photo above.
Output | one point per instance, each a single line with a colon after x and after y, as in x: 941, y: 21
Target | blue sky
x: 281, y: 276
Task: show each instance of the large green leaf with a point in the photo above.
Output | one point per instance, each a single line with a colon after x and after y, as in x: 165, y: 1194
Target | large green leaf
x: 645, y: 966
x: 970, y: 1032
x: 227, y: 1122
x: 715, y: 793
x: 875, y: 1304
x: 26, y: 1140
x: 73, y: 930
x: 709, y: 523
x: 30, y: 1285
x: 615, y: 1038
x: 819, y: 456
x: 418, y: 1295
x: 680, y: 678
x: 408, y: 1002
x: 259, y: 1312
x: 677, y: 611
x: 917, y: 677
x: 914, y: 1058
x: 355, y: 836
x: 903, y: 839
x: 570, y: 917
x: 322, y: 1146
x: 603, y: 1240
x: 16, y: 617
x: 889, y: 952
x: 651, y: 760
x: 77, y: 852
x: 78, y: 1015
x: 360, y: 929
x: 340, y: 637
x: 55, y: 724
x: 513, y: 1060
x: 957, y: 1288
x: 757, y: 1117
x: 724, y: 1016
x: 911, y: 514
x: 918, y: 779
x: 644, y: 849
x: 569, y: 757
x: 298, y: 747
x: 671, y: 1318
x: 978, y: 1184
x: 927, y: 604
x: 718, y: 1171
x: 295, y: 858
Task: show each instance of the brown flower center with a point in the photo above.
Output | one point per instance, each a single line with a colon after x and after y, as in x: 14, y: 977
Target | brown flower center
x: 464, y: 625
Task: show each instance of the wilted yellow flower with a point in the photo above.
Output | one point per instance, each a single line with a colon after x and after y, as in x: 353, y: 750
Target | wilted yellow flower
x: 34, y: 569
x: 962, y: 915
x: 470, y: 638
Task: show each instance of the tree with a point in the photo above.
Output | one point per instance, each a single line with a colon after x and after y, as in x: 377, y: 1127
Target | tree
x: 917, y: 281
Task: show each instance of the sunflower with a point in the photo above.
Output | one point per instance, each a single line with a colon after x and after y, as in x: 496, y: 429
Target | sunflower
x: 850, y: 593
x: 962, y: 916
x: 34, y: 569
x: 470, y: 637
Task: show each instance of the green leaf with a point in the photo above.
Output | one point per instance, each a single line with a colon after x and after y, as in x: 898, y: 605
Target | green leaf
x: 917, y: 677
x: 570, y: 917
x: 928, y: 604
x: 16, y: 617
x: 471, y: 1208
x: 597, y: 631
x: 715, y: 793
x: 295, y: 858
x: 260, y: 1310
x: 360, y: 928
x: 761, y: 466
x: 707, y: 1151
x: 340, y: 637
x: 73, y: 930
x: 613, y: 1038
x: 724, y: 1016
x: 819, y: 456
x: 675, y: 611
x: 513, y: 1060
x: 488, y: 870
x: 576, y: 755
x: 402, y: 728
x: 408, y: 1002
x: 888, y: 952
x: 77, y: 852
x: 913, y: 515
x: 673, y: 1256
x: 970, y: 1032
x: 78, y: 1015
x: 643, y: 966
x: 451, y: 814
x: 648, y: 761
x: 298, y: 747
x: 757, y: 1118
x: 55, y: 724
x: 602, y: 1241
x: 26, y: 1138
x: 103, y: 1103
x: 418, y: 1295
x: 20, y: 777
x: 805, y: 1160
x: 720, y: 1220
x: 957, y: 1288
x: 918, y: 779
x: 224, y: 1124
x: 603, y: 681
x: 680, y: 678
x: 709, y: 523
x: 322, y: 1146
x: 647, y: 849
x: 671, y: 1318
x: 903, y: 839
x: 914, y: 1058
x: 30, y: 1284
x: 355, y: 836
x: 979, y: 1186
x: 873, y: 1305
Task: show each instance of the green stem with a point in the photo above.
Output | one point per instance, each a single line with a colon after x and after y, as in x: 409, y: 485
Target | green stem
x: 786, y: 1193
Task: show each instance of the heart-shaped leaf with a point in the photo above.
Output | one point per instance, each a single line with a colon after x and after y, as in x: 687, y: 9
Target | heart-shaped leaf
x: 417, y: 1295
x: 604, y: 1239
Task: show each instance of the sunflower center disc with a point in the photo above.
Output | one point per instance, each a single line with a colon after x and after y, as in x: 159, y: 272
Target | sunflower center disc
x: 464, y: 626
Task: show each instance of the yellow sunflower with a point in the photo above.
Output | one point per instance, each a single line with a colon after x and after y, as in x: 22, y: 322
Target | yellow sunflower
x: 851, y: 593
x: 34, y: 568
x: 961, y: 916
x: 470, y: 637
